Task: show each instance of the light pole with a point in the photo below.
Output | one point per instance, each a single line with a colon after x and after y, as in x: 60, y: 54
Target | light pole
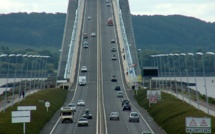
x: 170, y: 80
x: 203, y: 66
x: 22, y: 68
x: 5, y: 93
x: 5, y: 97
x: 14, y: 78
x: 188, y: 83
x: 176, y: 84
x: 179, y: 63
x: 173, y: 63
x: 165, y: 67
x: 141, y: 63
x: 194, y: 73
x: 45, y: 74
x: 161, y: 71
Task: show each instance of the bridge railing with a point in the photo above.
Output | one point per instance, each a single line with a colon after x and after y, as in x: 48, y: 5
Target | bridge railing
x: 70, y: 58
x: 130, y: 65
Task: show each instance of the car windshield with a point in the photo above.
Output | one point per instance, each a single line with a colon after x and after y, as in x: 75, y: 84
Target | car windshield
x: 71, y: 105
x: 134, y: 114
x: 82, y: 119
x: 114, y: 113
x: 80, y: 101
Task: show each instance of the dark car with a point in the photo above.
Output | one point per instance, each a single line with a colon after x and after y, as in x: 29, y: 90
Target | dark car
x: 87, y: 114
x: 112, y: 41
x: 126, y: 107
x: 117, y: 88
x: 113, y: 78
x: 85, y: 35
x: 113, y: 49
x: 125, y: 102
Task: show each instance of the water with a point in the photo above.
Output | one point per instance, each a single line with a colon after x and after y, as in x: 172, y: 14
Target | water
x: 3, y: 81
x: 210, y: 83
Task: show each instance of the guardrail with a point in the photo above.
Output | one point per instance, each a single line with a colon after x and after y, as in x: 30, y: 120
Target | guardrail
x: 130, y: 65
x: 70, y: 58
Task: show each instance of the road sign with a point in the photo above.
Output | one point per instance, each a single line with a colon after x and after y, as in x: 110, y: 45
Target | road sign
x: 198, y: 130
x: 153, y: 99
x: 156, y: 93
x: 20, y: 116
x: 198, y: 125
x: 47, y: 105
x: 26, y: 108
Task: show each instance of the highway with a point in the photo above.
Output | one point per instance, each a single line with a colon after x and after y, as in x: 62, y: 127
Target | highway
x: 99, y: 94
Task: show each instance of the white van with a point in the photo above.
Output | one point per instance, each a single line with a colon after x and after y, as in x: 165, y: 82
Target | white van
x: 82, y: 80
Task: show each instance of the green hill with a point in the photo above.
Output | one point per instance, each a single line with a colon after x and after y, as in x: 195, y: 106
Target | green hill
x: 163, y: 33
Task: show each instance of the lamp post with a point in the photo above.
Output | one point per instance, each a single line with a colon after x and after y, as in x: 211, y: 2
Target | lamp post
x: 161, y: 71
x: 14, y: 78
x: 173, y: 63
x: 45, y: 74
x: 188, y: 83
x: 203, y: 66
x: 176, y: 84
x: 165, y: 67
x: 5, y: 93
x: 22, y: 68
x: 170, y: 80
x: 194, y: 73
x: 179, y: 63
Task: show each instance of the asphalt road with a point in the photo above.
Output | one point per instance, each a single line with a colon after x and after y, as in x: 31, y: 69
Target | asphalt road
x: 99, y: 94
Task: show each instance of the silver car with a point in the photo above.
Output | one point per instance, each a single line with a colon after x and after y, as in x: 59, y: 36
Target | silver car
x: 114, y: 116
x: 84, y: 69
x: 81, y: 103
x: 72, y: 105
x: 134, y: 117
x: 82, y: 122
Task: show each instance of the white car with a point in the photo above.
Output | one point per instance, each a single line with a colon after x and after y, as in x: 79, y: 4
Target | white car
x: 134, y: 117
x: 72, y: 105
x: 89, y: 18
x: 81, y: 103
x: 85, y: 44
x: 113, y: 57
x: 83, y: 122
x: 93, y: 34
x: 114, y: 116
x: 84, y: 69
x: 119, y: 94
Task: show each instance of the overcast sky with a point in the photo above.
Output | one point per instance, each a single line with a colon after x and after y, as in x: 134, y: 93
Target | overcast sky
x: 202, y: 9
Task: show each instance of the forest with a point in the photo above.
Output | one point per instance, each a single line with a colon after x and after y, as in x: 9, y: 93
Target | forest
x: 42, y: 33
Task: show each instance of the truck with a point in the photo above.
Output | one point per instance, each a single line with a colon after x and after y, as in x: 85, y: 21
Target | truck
x: 110, y: 22
x: 82, y: 80
x: 67, y: 114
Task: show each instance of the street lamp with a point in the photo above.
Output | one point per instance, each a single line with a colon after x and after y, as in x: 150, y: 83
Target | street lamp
x: 22, y: 68
x: 188, y: 83
x: 180, y: 76
x: 5, y: 93
x: 194, y: 73
x: 173, y: 62
x: 203, y: 66
x: 14, y: 78
x: 45, y: 75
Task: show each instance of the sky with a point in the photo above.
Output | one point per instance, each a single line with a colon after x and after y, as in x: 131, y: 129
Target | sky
x: 201, y: 9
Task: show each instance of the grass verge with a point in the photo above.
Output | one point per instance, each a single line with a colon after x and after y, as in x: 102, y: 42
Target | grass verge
x: 170, y: 112
x: 39, y: 117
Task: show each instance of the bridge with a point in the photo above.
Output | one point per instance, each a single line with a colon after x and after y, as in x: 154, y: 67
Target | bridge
x: 90, y: 16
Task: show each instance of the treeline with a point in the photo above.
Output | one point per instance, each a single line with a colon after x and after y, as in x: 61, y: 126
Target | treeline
x: 38, y: 30
x: 173, y: 33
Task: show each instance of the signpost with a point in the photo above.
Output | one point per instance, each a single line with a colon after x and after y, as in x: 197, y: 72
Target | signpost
x: 47, y: 105
x: 198, y: 125
x: 156, y: 93
x: 21, y: 117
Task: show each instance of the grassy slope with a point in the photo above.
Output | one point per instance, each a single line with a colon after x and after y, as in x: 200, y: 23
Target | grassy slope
x: 170, y: 112
x: 39, y: 118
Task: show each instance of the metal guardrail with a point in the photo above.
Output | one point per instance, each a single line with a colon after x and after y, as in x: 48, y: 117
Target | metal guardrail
x: 70, y: 57
x: 131, y: 71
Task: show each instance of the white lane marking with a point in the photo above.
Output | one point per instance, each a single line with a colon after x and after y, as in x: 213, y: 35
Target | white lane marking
x: 77, y: 77
x: 125, y: 90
